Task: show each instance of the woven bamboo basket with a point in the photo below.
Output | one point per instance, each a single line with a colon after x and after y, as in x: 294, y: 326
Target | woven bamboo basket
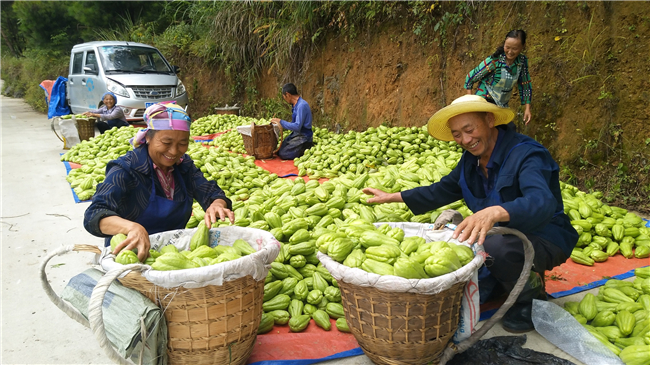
x: 208, y: 325
x: 262, y: 141
x: 86, y: 128
x: 401, y: 328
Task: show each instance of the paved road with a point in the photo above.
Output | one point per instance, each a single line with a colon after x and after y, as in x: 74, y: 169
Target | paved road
x: 39, y: 215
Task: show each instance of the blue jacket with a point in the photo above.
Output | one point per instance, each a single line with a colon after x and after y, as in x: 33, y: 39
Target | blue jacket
x: 126, y: 190
x: 528, y: 184
x: 300, y: 120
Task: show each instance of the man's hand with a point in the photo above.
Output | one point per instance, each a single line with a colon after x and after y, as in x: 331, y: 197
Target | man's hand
x: 275, y: 120
x: 136, y: 238
x: 475, y: 227
x: 218, y: 209
x: 382, y: 196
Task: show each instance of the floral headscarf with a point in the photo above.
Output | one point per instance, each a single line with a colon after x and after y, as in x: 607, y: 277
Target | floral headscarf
x: 162, y: 116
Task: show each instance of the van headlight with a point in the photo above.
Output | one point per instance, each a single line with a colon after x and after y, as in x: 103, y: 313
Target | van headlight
x: 116, y: 88
x: 180, y: 88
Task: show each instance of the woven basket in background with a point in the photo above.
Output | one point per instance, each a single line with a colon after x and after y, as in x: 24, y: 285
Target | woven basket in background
x: 401, y: 328
x: 86, y: 128
x: 262, y: 142
x: 209, y: 325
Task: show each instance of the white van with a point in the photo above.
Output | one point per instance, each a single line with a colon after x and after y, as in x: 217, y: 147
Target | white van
x: 136, y: 73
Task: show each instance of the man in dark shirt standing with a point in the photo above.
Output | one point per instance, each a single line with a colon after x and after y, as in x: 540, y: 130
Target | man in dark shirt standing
x: 506, y: 179
x: 301, y: 136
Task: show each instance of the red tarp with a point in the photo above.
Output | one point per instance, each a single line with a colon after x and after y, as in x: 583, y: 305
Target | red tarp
x: 570, y: 275
x: 209, y: 137
x: 570, y: 278
x: 313, y: 343
x: 47, y: 86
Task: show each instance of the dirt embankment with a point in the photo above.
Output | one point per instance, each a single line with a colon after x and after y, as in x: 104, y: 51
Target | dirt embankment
x: 588, y: 63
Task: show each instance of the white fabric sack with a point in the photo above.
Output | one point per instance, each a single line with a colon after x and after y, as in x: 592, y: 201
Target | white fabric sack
x: 69, y: 132
x: 256, y: 264
x: 246, y: 130
x: 470, y: 310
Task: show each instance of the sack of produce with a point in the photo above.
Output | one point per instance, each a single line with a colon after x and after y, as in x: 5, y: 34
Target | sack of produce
x: 403, y: 306
x: 211, y: 285
x: 221, y: 241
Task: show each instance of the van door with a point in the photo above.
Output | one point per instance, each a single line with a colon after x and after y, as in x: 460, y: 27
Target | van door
x: 75, y: 87
x: 95, y: 87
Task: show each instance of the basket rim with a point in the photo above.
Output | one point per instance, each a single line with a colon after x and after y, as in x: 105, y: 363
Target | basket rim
x: 414, y: 286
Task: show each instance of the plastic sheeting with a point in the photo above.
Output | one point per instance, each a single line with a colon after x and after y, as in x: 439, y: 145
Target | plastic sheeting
x: 562, y: 330
x: 58, y: 106
x: 505, y: 350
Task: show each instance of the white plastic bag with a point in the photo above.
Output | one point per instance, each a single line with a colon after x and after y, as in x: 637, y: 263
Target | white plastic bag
x: 246, y: 130
x: 69, y: 131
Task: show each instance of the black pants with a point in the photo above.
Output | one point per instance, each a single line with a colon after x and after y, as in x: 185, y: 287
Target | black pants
x: 506, y: 256
x: 104, y: 126
x: 294, y: 146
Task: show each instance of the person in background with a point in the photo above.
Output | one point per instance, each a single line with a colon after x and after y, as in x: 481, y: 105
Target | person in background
x: 108, y: 115
x: 506, y: 179
x: 151, y: 189
x: 497, y: 75
x: 301, y: 137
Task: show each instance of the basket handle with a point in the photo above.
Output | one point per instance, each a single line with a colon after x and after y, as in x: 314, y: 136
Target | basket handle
x: 95, y: 315
x: 529, y: 254
x: 280, y: 138
x: 253, y: 137
x: 54, y: 130
x: 66, y: 307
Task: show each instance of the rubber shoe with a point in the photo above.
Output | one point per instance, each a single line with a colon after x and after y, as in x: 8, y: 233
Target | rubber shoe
x: 518, y: 318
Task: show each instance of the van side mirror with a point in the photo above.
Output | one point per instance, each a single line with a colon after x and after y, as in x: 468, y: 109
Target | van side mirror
x: 176, y: 69
x: 90, y: 68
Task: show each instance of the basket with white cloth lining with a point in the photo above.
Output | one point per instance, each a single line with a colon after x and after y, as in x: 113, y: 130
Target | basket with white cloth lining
x: 400, y: 321
x: 212, y: 312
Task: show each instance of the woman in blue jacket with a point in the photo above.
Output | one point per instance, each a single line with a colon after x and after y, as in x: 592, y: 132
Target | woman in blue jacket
x: 151, y: 189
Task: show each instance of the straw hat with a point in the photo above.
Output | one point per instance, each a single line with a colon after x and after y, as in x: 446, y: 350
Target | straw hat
x: 438, y: 127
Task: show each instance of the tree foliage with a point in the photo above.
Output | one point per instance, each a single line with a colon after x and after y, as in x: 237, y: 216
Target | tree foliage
x: 12, y: 40
x: 59, y: 25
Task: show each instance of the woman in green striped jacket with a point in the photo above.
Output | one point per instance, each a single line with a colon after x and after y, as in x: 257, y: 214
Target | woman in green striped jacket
x: 497, y: 75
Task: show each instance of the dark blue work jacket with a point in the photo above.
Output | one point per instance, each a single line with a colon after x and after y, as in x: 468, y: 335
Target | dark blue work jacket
x: 126, y: 191
x: 528, y: 185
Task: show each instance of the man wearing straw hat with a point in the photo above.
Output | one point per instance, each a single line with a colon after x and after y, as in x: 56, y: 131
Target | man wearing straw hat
x: 506, y: 179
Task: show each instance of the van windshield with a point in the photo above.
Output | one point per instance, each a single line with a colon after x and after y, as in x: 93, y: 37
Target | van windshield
x: 132, y: 59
